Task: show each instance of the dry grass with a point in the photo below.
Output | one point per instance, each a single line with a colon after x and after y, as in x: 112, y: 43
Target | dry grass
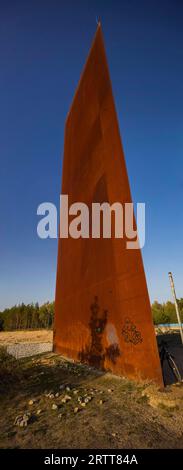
x: 23, y: 336
x: 118, y: 415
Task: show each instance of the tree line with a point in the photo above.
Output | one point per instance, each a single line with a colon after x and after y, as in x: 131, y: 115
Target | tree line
x: 165, y: 312
x: 35, y: 316
x: 31, y: 316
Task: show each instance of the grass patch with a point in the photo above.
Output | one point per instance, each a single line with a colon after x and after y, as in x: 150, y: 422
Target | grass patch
x: 116, y: 416
x: 10, y: 370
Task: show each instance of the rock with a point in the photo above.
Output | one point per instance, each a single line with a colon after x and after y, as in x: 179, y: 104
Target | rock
x: 86, y: 400
x: 101, y: 402
x: 22, y: 420
x: 76, y: 409
x: 39, y: 412
x: 51, y: 395
x: 75, y: 392
x: 68, y: 389
x: 110, y: 390
x: 17, y: 419
x: 113, y: 434
x: 27, y: 415
x: 23, y: 423
x: 31, y: 402
x: 54, y: 406
x: 62, y: 387
x: 56, y: 395
x: 83, y: 404
x: 67, y: 397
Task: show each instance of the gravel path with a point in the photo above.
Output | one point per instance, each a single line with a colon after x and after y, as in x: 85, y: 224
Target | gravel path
x: 28, y: 349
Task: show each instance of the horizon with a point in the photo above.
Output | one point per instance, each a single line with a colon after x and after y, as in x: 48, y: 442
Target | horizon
x: 52, y: 301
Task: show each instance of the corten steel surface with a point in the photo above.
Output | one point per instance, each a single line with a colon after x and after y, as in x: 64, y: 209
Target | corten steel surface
x: 102, y: 309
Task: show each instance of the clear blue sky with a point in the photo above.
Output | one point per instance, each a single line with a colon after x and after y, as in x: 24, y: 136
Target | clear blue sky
x: 43, y: 46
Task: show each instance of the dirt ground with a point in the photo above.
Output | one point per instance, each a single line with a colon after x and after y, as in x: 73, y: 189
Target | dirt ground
x: 96, y: 410
x: 22, y: 336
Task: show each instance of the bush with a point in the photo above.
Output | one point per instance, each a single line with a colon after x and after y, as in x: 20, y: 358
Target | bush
x: 165, y: 312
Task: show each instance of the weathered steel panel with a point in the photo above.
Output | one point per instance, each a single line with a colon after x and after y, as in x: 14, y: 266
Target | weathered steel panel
x: 102, y: 309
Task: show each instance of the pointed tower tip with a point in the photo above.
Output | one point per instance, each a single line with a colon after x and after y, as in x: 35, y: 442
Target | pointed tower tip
x: 98, y: 21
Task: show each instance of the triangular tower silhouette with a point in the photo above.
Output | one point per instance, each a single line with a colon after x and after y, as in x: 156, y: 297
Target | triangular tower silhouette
x: 102, y: 308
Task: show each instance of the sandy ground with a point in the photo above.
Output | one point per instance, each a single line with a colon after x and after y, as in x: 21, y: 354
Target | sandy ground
x: 23, y: 336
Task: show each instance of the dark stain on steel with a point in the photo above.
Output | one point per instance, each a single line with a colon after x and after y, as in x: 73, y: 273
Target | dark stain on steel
x: 95, y: 353
x: 130, y: 332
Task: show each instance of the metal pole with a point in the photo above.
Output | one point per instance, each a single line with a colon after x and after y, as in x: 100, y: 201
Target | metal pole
x: 176, y: 305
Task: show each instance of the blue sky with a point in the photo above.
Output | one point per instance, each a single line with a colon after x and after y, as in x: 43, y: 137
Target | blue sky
x: 43, y: 47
